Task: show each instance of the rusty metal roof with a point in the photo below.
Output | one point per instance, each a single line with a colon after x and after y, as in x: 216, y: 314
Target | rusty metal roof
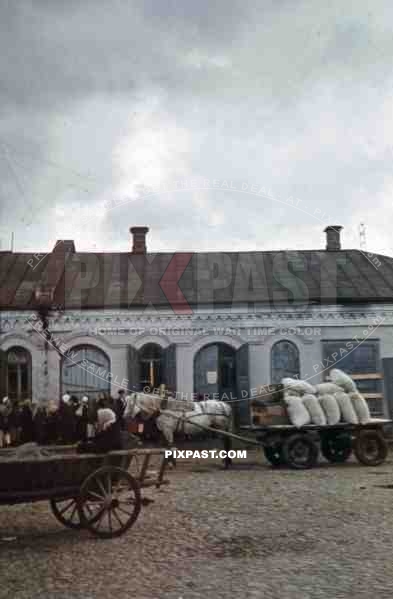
x: 83, y: 280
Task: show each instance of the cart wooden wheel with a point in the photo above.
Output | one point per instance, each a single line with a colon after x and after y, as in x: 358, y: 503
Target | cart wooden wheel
x: 336, y: 448
x: 300, y: 451
x: 273, y: 454
x: 110, y: 501
x: 67, y: 512
x: 370, y: 448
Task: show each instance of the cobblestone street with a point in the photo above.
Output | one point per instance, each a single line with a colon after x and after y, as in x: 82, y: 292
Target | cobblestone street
x: 251, y: 532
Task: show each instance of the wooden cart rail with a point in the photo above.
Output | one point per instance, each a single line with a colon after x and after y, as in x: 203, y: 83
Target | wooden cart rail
x: 372, y: 424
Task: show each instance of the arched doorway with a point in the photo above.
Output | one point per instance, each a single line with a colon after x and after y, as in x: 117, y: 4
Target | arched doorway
x: 285, y: 361
x: 221, y: 372
x: 85, y: 370
x: 18, y: 376
x: 151, y: 367
x: 215, y: 371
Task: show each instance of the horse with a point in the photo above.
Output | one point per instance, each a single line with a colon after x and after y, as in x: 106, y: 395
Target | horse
x: 209, y: 413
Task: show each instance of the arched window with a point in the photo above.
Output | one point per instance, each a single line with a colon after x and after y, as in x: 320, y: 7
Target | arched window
x: 18, y: 380
x: 284, y: 361
x: 86, y: 370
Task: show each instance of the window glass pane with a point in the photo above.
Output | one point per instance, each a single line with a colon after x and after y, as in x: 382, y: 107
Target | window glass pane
x: 376, y: 407
x: 369, y: 386
x: 284, y: 361
x: 361, y: 359
x: 18, y: 373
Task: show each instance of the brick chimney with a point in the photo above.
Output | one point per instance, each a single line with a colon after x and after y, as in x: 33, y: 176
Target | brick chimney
x: 139, y: 239
x: 333, y: 241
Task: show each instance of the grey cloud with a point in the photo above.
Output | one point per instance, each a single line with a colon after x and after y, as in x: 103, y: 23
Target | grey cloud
x: 287, y: 95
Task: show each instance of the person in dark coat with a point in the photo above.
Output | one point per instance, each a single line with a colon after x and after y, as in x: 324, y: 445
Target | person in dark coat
x: 66, y: 420
x: 14, y: 423
x: 107, y: 436
x: 26, y: 423
x: 82, y: 419
x: 40, y: 425
x: 120, y: 406
x: 3, y: 424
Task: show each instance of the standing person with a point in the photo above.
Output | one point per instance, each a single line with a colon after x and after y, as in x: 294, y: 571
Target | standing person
x: 120, y: 406
x: 14, y: 423
x: 82, y: 419
x: 26, y: 423
x: 40, y: 424
x: 49, y: 419
x: 66, y: 420
x: 3, y: 421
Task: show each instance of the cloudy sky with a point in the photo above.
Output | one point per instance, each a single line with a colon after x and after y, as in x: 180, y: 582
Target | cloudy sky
x: 104, y: 101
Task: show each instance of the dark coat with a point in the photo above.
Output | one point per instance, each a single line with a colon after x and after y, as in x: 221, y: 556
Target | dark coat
x: 40, y: 425
x: 109, y: 439
x: 26, y: 424
x: 104, y: 441
x: 66, y: 422
x: 81, y: 424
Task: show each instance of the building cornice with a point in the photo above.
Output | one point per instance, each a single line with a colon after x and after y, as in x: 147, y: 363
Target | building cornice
x: 121, y: 319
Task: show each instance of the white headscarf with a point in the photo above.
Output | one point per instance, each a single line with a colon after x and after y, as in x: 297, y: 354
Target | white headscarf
x: 85, y: 399
x: 105, y: 417
x: 66, y: 398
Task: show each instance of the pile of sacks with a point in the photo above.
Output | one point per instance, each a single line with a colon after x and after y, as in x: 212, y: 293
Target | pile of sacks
x: 326, y: 403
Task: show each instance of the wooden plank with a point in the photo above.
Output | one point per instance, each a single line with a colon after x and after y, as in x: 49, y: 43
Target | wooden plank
x: 372, y: 376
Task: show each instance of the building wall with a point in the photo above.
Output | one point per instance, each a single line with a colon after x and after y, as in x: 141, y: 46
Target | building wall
x: 114, y: 331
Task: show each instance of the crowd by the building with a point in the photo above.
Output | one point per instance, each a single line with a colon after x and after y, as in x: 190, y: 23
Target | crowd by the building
x: 67, y: 421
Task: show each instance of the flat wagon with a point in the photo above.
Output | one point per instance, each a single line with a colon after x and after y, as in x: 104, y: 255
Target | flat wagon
x: 299, y: 448
x: 85, y: 491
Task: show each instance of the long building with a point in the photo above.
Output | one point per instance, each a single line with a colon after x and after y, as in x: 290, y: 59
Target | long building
x: 217, y: 323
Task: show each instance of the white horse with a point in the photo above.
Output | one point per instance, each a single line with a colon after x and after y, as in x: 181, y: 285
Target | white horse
x: 210, y: 413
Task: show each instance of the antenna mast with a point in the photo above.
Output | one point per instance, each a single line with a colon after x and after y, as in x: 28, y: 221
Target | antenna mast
x: 362, y: 237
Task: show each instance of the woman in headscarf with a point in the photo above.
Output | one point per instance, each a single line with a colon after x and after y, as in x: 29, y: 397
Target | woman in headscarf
x: 107, y: 436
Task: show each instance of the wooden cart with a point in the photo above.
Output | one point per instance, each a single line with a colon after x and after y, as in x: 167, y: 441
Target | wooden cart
x: 300, y: 447
x: 85, y: 491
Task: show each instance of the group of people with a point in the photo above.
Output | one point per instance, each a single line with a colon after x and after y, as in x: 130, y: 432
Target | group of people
x: 69, y: 420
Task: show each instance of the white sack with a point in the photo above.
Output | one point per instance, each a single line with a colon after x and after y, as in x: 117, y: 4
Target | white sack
x: 288, y: 393
x: 300, y: 387
x: 361, y: 408
x: 313, y: 407
x: 331, y: 409
x: 343, y: 380
x: 297, y: 412
x: 327, y: 388
x: 348, y: 413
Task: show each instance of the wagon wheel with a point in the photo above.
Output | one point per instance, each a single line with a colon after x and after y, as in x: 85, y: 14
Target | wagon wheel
x: 67, y: 512
x: 300, y: 452
x: 110, y: 502
x: 336, y: 448
x: 273, y: 454
x: 370, y: 448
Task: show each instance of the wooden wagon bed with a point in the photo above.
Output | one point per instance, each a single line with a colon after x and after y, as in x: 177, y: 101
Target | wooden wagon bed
x: 83, y: 488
